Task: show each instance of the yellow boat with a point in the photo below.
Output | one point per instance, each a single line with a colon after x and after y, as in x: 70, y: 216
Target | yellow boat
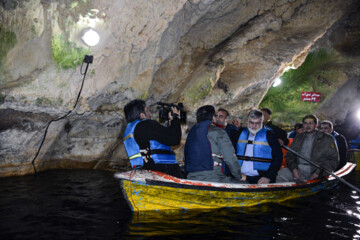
x: 154, y: 191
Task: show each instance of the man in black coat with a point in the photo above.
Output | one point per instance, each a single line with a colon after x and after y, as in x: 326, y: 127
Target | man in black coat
x: 281, y: 134
x: 328, y: 127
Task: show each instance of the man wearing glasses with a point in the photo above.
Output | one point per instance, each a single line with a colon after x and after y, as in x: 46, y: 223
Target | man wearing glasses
x: 315, y: 145
x: 258, y: 151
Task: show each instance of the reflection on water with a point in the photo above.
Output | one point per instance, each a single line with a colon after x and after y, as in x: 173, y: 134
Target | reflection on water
x: 84, y: 204
x: 219, y: 224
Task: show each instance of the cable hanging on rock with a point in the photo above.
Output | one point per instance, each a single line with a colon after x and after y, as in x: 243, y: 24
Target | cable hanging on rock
x: 87, y: 59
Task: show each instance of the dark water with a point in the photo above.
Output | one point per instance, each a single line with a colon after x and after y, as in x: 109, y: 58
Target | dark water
x: 84, y: 204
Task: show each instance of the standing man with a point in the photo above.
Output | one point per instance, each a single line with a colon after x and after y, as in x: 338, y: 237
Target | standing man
x: 258, y: 151
x: 315, y: 145
x: 207, y: 147
x: 147, y: 141
x: 328, y: 127
x: 281, y: 134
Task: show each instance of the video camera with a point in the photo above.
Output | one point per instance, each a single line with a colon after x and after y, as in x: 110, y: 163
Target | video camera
x: 165, y: 108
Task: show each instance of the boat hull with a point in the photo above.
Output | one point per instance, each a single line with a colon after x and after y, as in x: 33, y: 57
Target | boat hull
x: 154, y: 191
x: 150, y: 197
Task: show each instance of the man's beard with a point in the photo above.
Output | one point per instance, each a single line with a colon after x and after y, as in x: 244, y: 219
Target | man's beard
x: 253, y: 131
x: 308, y: 132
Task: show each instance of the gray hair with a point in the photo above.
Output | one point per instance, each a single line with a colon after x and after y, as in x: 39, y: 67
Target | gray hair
x: 256, y: 114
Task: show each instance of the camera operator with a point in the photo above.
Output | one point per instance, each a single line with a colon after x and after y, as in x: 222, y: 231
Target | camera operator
x: 147, y: 141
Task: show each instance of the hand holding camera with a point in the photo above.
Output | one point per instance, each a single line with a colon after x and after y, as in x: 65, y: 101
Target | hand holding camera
x: 167, y: 111
x: 175, y: 112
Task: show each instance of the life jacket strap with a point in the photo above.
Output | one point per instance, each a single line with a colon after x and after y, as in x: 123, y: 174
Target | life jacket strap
x: 216, y: 155
x: 135, y: 156
x: 217, y: 164
x: 254, y: 159
x: 253, y: 142
x: 128, y: 136
x: 146, y: 153
x: 160, y: 151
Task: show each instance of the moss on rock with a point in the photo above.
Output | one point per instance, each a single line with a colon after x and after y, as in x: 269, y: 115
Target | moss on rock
x: 2, y: 98
x: 198, y: 91
x: 318, y: 73
x: 66, y: 54
x: 7, y: 42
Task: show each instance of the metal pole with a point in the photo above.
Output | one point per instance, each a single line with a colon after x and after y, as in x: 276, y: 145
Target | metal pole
x: 318, y: 166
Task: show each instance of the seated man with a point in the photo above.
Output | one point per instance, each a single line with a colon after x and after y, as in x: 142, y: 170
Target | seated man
x: 315, y: 145
x: 258, y: 150
x: 147, y: 141
x: 298, y: 128
x: 206, y: 147
x: 222, y: 118
x: 328, y: 127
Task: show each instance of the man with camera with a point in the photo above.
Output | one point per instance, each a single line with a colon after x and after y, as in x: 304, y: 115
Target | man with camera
x: 147, y: 141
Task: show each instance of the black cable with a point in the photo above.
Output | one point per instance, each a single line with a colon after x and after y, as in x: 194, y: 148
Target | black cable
x: 88, y: 59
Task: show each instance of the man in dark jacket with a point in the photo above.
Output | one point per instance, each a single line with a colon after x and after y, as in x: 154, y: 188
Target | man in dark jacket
x: 328, y: 127
x: 222, y: 118
x: 316, y: 146
x: 258, y: 151
x: 281, y: 134
x: 207, y: 148
x: 147, y: 141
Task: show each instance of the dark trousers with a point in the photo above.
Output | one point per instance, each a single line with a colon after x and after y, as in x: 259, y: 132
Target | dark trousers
x: 253, y: 179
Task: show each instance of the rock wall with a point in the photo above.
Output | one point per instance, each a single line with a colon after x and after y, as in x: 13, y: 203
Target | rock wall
x: 344, y: 37
x: 221, y: 52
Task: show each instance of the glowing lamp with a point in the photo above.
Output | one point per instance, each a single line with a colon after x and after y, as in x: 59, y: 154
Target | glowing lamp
x: 277, y: 82
x: 358, y: 114
x: 91, y: 37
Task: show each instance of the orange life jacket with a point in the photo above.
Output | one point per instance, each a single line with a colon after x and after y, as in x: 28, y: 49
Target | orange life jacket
x: 283, y: 164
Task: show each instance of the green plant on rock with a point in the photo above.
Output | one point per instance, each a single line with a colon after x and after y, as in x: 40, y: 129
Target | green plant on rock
x: 43, y: 101
x: 198, y: 91
x: 74, y: 5
x: 66, y: 54
x: 7, y: 42
x: 318, y: 73
x: 33, y: 30
x: 2, y: 97
x: 143, y: 95
x: 59, y: 101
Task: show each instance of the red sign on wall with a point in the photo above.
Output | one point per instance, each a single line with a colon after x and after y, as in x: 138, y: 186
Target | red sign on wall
x: 310, y: 96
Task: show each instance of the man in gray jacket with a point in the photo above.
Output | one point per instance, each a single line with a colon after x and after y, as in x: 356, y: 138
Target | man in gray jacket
x: 315, y: 145
x: 207, y: 148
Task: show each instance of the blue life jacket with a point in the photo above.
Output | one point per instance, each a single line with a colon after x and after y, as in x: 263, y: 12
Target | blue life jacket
x: 160, y: 153
x: 292, y: 134
x: 198, y: 154
x: 262, y: 151
x: 355, y: 143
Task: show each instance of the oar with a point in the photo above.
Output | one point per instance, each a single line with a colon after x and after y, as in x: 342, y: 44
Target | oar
x: 318, y: 166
